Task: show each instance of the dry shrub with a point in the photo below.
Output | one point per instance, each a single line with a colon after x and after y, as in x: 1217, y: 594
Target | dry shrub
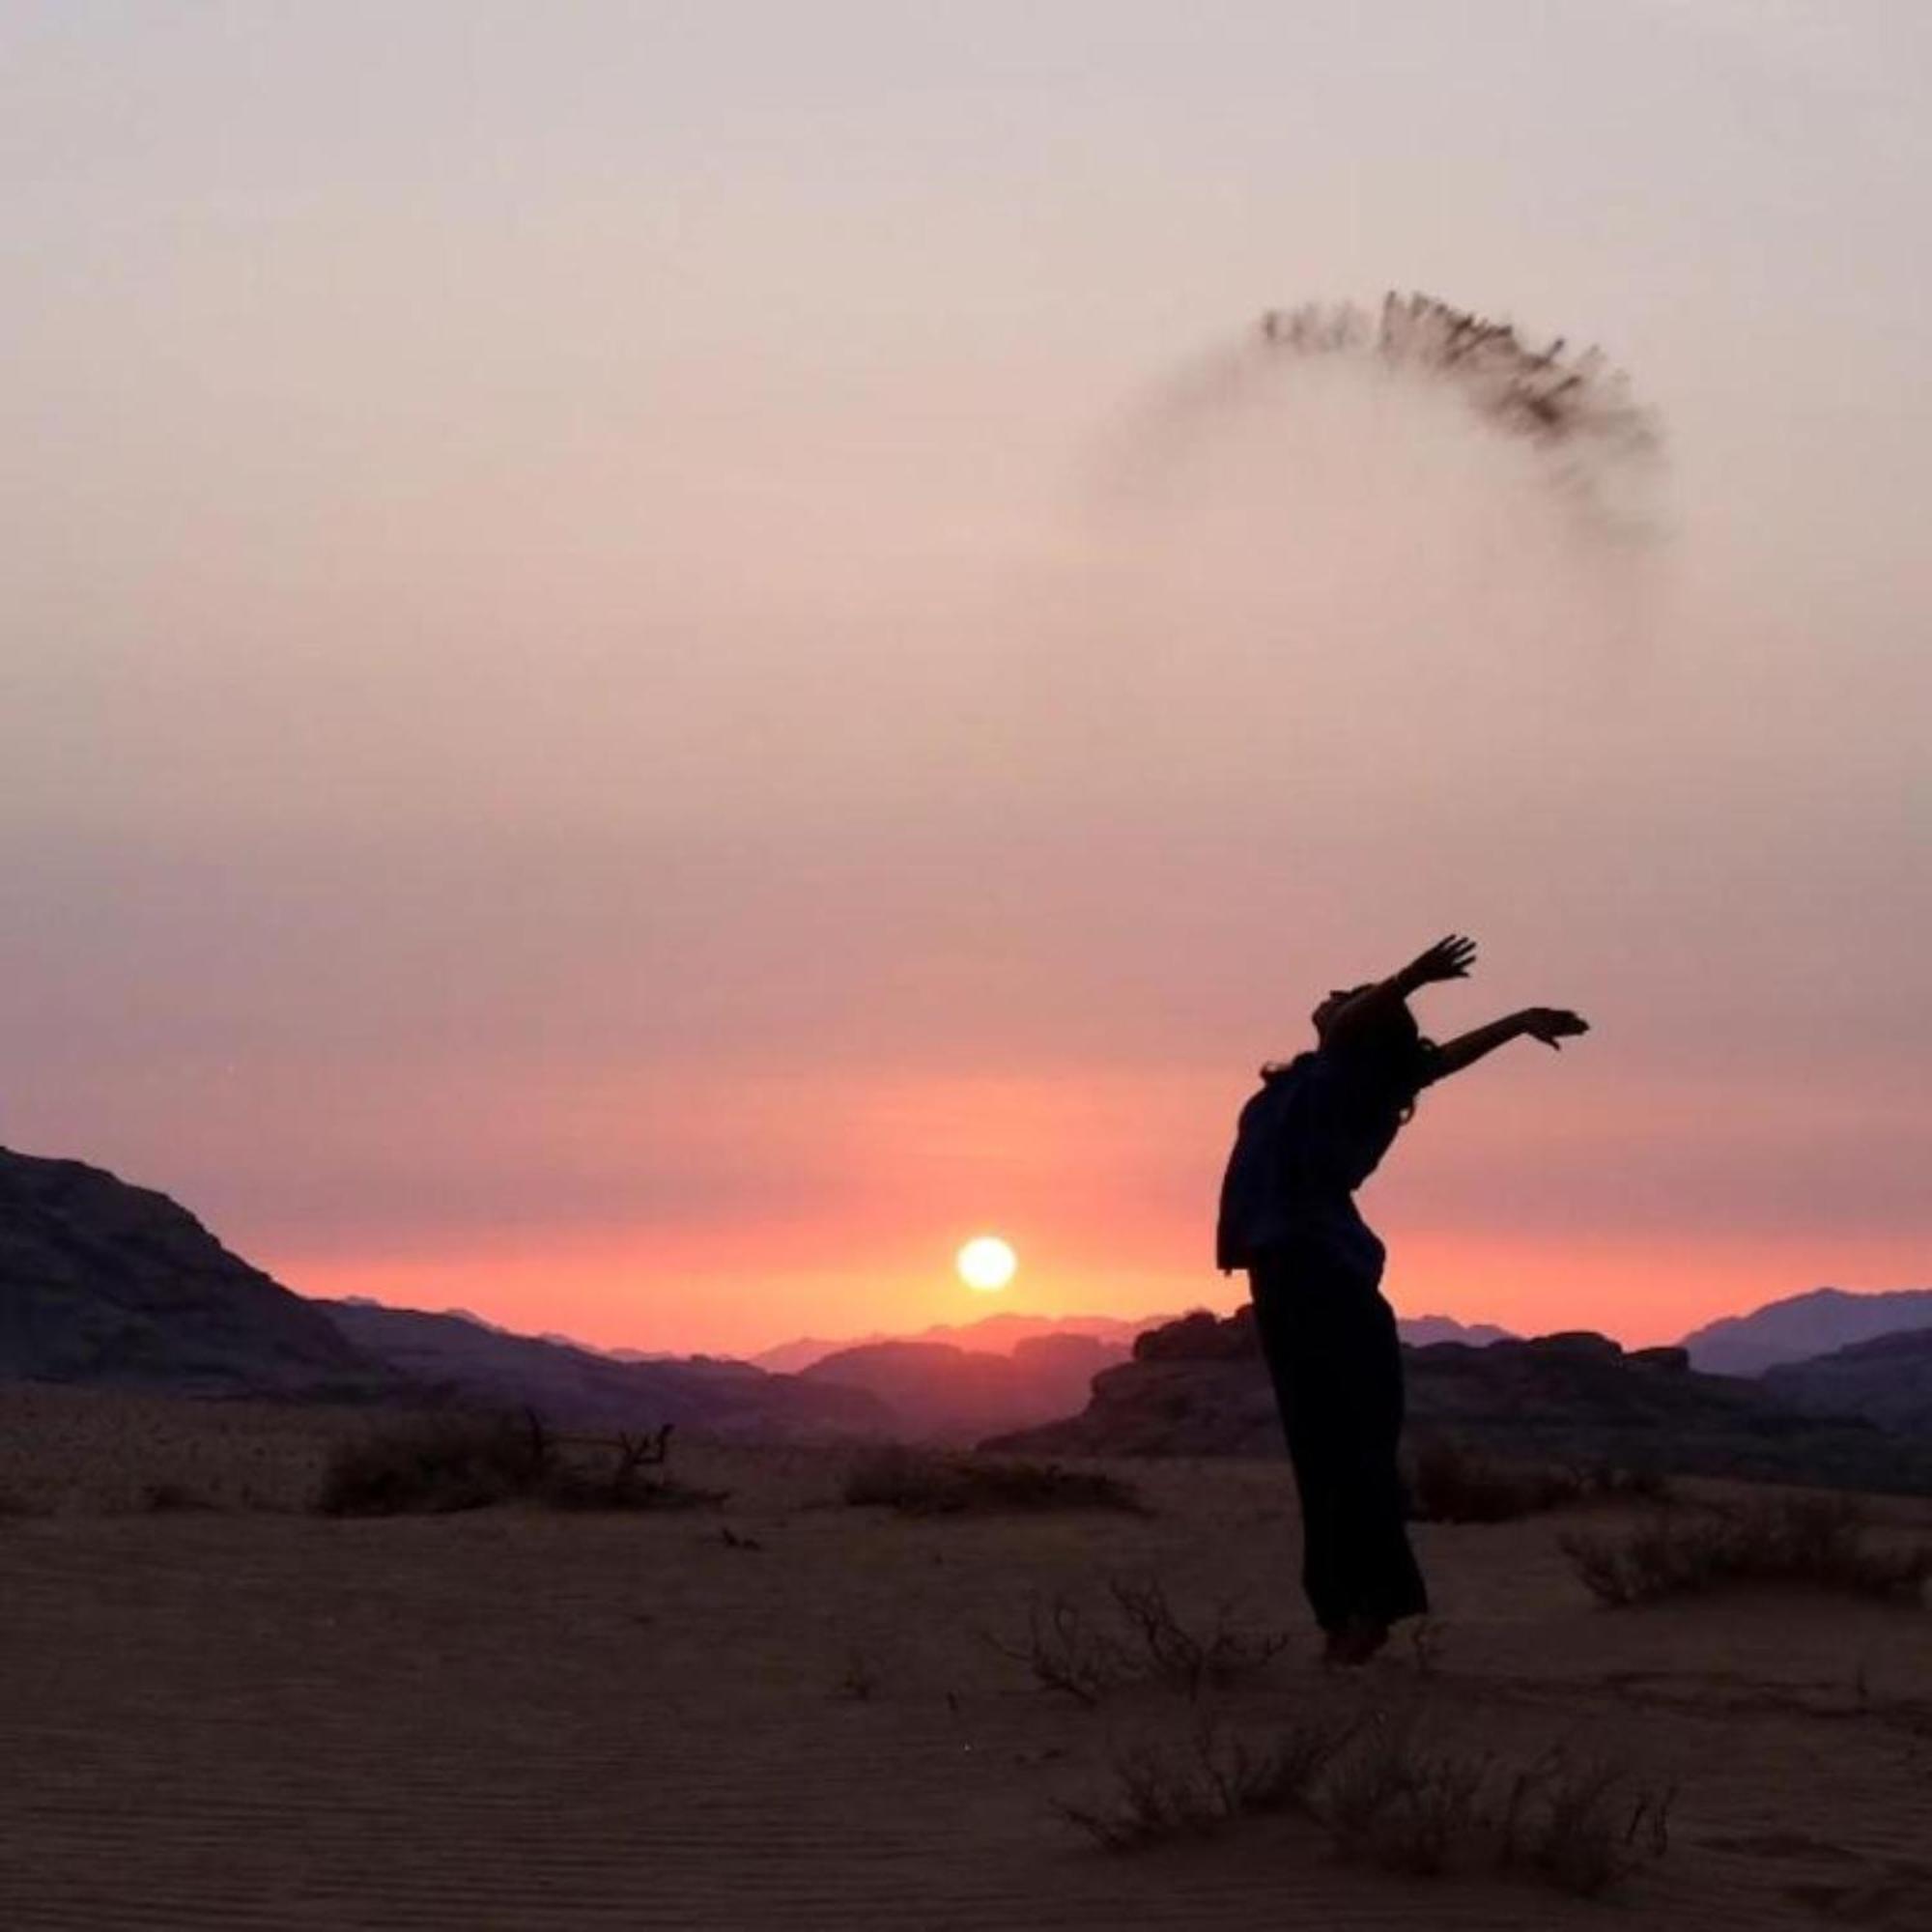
x: 576, y: 1486
x: 1407, y: 1805
x: 175, y: 1500
x: 1154, y: 1798
x: 859, y: 1680
x: 1818, y: 1542
x: 1386, y: 1797
x: 1188, y: 1660
x: 1158, y: 1792
x: 921, y: 1482
x: 633, y: 1478
x: 1068, y: 1652
x: 471, y: 1462
x: 1584, y: 1825
x: 1449, y: 1482
x: 434, y: 1466
x: 1141, y: 1642
x: 1400, y: 1804
x: 1620, y: 1482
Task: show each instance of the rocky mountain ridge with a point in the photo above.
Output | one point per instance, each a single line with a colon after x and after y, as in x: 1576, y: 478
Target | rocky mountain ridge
x: 1886, y: 1379
x: 939, y: 1393
x: 1199, y: 1387
x: 998, y: 1334
x: 101, y: 1282
x: 475, y: 1363
x: 1799, y: 1327
x: 108, y: 1285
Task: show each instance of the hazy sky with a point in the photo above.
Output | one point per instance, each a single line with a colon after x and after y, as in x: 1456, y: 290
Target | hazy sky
x: 618, y: 712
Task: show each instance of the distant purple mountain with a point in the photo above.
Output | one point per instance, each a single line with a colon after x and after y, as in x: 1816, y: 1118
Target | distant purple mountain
x: 994, y: 1334
x: 1420, y: 1330
x: 477, y: 1362
x: 1887, y: 1380
x: 1001, y: 1334
x: 1804, y: 1325
x: 939, y: 1393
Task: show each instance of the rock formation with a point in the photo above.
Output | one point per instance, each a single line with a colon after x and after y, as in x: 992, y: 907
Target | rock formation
x: 1886, y: 1379
x: 462, y: 1359
x: 1804, y: 1325
x: 938, y: 1393
x: 101, y: 1282
x: 1198, y: 1387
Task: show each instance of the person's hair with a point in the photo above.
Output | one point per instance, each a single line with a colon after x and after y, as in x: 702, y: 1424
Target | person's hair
x: 1390, y: 1055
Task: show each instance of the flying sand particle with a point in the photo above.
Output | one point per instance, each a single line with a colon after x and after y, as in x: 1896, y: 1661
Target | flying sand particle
x: 1549, y: 396
x: 1570, y: 411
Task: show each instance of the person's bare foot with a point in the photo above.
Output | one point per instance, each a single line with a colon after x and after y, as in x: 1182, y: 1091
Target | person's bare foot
x: 1355, y: 1642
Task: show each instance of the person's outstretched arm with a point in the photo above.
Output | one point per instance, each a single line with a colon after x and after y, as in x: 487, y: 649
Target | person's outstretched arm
x: 1447, y: 960
x: 1551, y: 1025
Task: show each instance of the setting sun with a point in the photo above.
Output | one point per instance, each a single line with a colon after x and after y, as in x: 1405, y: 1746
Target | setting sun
x: 986, y: 1262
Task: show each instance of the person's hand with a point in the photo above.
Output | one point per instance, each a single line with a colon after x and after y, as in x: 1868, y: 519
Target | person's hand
x: 1447, y: 960
x: 1553, y: 1025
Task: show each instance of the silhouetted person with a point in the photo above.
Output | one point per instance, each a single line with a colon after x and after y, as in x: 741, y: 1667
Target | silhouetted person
x: 1318, y: 1129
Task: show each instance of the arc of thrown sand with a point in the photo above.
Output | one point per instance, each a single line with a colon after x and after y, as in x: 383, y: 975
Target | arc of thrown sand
x: 1549, y: 396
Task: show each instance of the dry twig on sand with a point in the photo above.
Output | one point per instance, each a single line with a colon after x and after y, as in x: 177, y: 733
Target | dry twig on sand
x: 1143, y: 1641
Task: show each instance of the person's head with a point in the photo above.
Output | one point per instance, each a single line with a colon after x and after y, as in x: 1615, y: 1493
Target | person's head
x: 1324, y: 1016
x: 1383, y: 1046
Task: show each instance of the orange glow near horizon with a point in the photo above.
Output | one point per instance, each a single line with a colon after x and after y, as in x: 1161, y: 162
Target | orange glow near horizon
x: 633, y: 1294
x: 1104, y: 1181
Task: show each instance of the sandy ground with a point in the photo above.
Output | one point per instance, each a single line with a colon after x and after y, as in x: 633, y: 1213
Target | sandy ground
x: 251, y: 1717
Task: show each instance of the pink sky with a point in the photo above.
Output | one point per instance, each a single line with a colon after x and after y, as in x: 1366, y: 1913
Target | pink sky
x: 614, y: 719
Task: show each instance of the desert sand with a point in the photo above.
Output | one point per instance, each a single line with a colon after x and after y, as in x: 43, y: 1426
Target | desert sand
x: 249, y: 1716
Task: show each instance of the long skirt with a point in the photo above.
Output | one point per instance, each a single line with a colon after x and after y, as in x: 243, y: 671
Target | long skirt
x: 1332, y: 1350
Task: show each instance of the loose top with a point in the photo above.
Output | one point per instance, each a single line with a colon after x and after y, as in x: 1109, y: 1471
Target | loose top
x: 1316, y: 1130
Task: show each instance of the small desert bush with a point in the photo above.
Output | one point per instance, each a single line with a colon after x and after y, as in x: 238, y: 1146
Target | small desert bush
x: 1621, y: 1483
x: 1406, y: 1805
x: 1449, y: 1482
x: 1160, y: 1792
x: 1400, y: 1804
x: 1817, y: 1542
x: 1067, y: 1651
x: 1584, y: 1825
x: 922, y: 1482
x: 434, y: 1466
x: 1190, y: 1659
x: 1385, y: 1796
x: 1139, y: 1641
x: 471, y: 1461
x: 621, y: 1483
x: 859, y: 1680
x: 175, y: 1500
